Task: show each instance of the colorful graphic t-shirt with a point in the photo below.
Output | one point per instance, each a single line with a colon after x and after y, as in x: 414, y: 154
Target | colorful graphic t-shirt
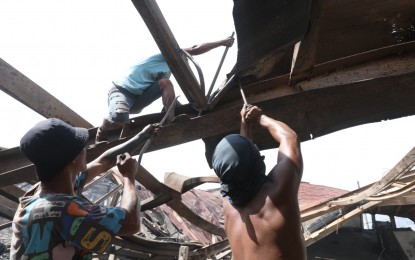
x: 61, y: 226
x: 143, y: 74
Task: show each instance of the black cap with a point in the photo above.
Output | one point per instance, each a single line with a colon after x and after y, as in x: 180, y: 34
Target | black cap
x: 51, y: 145
x: 240, y: 167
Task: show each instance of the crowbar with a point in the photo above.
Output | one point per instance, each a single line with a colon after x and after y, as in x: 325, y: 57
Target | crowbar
x: 168, y: 112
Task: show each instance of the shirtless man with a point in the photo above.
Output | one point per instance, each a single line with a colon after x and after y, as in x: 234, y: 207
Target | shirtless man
x: 262, y: 216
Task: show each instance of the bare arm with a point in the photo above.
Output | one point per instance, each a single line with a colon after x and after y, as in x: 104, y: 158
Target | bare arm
x: 289, y: 159
x: 205, y: 47
x: 108, y: 159
x: 289, y: 143
x: 130, y: 202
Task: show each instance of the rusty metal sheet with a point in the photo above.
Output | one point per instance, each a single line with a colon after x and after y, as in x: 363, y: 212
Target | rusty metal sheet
x: 264, y: 28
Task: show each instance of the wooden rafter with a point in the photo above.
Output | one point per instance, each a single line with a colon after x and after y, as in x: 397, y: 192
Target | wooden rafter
x: 315, y: 236
x: 21, y: 88
x: 403, y: 166
x: 323, y: 105
x: 154, y: 19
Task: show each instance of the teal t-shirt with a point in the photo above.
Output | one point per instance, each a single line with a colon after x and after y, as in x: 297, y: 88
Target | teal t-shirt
x: 143, y: 74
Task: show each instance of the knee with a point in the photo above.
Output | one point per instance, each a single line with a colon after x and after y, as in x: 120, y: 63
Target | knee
x: 165, y: 85
x: 118, y: 117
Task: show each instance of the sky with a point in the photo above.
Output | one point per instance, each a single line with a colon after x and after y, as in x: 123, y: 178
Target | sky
x: 74, y: 49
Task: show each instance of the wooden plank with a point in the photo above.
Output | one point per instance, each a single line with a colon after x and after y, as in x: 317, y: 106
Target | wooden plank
x: 154, y: 19
x: 213, y: 249
x: 33, y: 96
x: 11, y: 159
x: 159, y: 189
x: 182, y: 183
x: 155, y: 248
x: 315, y: 236
x: 399, y: 201
x: 327, y: 207
x: 5, y: 225
x: 18, y: 175
x: 12, y: 193
x: 155, y: 201
x: 7, y: 212
x: 403, y: 166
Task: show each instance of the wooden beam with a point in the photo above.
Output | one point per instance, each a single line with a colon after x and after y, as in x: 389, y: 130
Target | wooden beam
x: 155, y: 248
x: 18, y: 175
x: 268, y: 90
x: 12, y: 192
x: 399, y: 201
x: 154, y: 19
x: 11, y: 159
x: 33, y: 96
x: 182, y: 183
x: 7, y: 208
x: 326, y: 206
x: 363, y: 94
x: 160, y: 190
x: 315, y: 236
x: 213, y: 249
x: 403, y: 166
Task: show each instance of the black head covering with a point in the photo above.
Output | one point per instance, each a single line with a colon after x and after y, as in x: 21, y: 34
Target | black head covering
x: 240, y: 167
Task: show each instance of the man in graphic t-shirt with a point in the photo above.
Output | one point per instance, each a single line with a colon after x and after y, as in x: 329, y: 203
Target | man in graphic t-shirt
x: 53, y: 220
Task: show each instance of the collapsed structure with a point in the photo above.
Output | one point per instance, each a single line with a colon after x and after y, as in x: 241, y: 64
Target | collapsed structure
x: 319, y: 66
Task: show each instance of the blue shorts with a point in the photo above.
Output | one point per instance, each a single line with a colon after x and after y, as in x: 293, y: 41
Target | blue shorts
x: 120, y: 99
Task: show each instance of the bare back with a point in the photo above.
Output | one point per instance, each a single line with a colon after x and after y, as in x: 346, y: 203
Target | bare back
x: 269, y: 226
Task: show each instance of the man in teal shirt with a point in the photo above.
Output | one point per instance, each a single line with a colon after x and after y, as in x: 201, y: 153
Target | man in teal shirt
x: 142, y: 84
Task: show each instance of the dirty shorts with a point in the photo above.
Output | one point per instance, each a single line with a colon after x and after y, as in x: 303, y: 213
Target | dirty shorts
x: 120, y: 99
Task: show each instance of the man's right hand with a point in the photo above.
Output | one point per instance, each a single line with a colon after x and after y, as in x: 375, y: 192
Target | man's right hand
x: 127, y: 165
x: 228, y: 42
x: 253, y: 113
